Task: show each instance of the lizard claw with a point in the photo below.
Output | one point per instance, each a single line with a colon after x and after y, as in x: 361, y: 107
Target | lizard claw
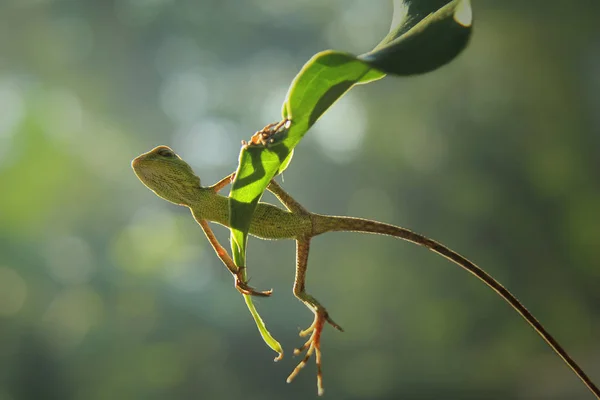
x: 243, y: 288
x: 313, y: 345
x: 326, y: 318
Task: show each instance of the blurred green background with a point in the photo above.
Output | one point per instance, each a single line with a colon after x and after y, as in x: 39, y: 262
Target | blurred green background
x: 108, y: 292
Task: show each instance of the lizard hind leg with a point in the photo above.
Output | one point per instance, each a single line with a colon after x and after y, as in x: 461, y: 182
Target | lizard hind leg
x: 313, y: 344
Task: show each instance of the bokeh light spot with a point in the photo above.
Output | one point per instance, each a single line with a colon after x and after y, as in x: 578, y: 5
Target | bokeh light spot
x: 208, y: 143
x: 62, y: 114
x: 358, y: 26
x: 70, y: 260
x: 71, y: 315
x: 184, y: 96
x: 147, y: 242
x: 12, y: 106
x: 341, y: 131
x: 13, y: 110
x: 177, y: 54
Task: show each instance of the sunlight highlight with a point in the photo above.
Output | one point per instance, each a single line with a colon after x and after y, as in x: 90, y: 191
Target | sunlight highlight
x: 463, y: 14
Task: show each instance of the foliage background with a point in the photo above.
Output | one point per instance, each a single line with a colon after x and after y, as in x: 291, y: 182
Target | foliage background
x: 108, y: 292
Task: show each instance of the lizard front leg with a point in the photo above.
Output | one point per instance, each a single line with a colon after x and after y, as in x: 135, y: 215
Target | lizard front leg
x: 236, y: 271
x: 222, y: 253
x: 222, y: 183
x: 313, y: 344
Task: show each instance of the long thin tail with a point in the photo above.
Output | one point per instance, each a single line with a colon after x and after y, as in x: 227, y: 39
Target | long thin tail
x: 323, y: 223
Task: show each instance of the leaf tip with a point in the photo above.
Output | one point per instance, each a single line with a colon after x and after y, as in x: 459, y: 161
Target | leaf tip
x: 463, y: 14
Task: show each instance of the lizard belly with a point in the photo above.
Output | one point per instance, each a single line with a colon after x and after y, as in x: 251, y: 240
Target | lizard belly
x: 270, y: 222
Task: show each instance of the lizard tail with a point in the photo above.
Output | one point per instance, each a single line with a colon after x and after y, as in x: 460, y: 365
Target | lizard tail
x: 323, y: 223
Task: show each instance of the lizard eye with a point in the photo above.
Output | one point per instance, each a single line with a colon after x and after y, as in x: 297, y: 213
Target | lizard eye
x: 165, y: 152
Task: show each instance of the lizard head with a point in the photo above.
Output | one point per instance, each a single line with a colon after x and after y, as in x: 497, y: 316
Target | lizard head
x: 167, y: 175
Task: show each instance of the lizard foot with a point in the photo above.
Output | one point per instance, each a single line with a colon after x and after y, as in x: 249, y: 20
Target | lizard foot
x: 313, y: 345
x: 243, y: 288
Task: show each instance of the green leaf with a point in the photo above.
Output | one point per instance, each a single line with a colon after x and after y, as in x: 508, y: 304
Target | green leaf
x: 239, y: 259
x: 425, y: 35
x: 264, y: 333
x: 429, y: 34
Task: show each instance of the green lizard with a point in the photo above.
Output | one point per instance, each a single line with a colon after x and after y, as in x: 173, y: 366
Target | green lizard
x: 172, y: 179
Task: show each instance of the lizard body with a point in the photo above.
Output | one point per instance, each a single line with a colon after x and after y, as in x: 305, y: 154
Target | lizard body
x: 172, y: 179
